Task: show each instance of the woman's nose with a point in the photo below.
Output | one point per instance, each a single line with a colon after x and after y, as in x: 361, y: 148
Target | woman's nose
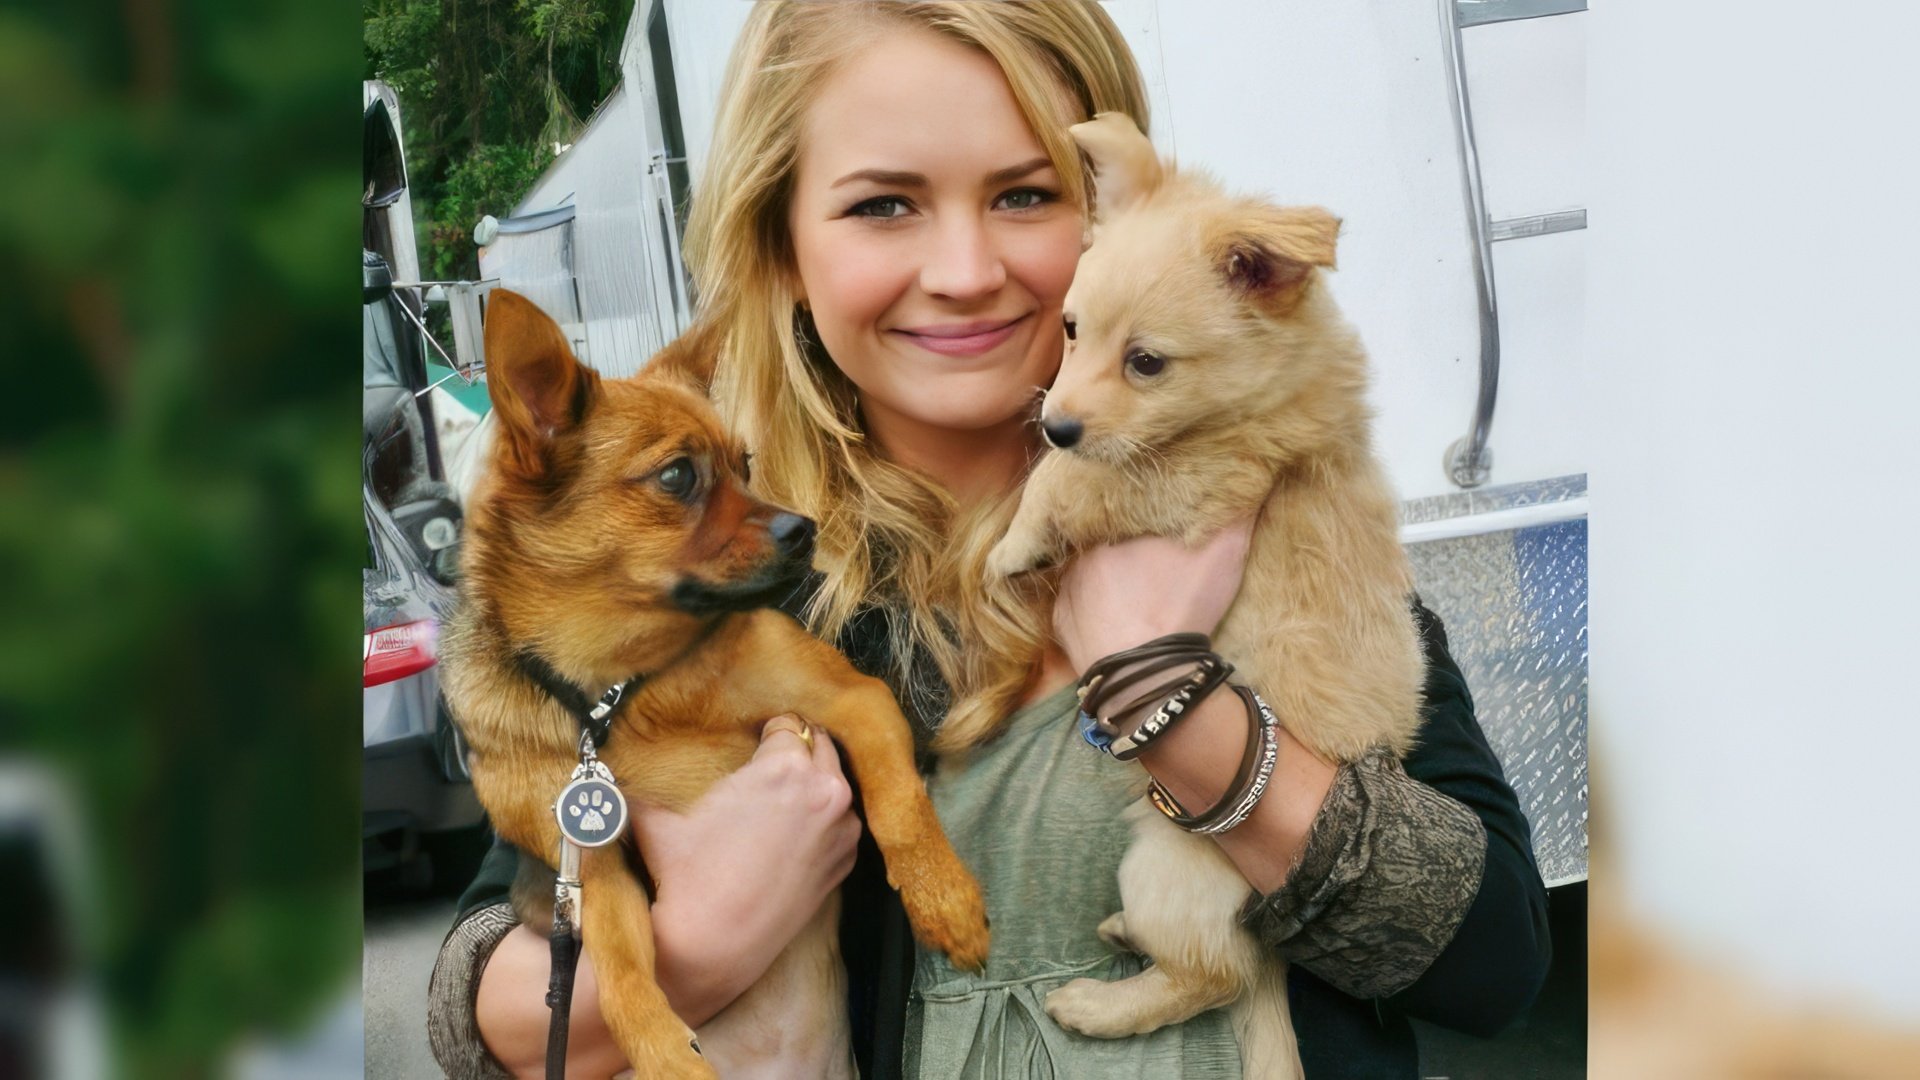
x: 963, y: 263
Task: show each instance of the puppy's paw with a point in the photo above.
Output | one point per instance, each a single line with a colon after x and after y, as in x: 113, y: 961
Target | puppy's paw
x: 1087, y: 1006
x: 1113, y: 931
x: 1016, y: 553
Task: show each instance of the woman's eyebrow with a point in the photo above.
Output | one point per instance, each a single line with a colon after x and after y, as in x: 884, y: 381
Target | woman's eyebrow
x: 894, y: 178
x: 1015, y: 172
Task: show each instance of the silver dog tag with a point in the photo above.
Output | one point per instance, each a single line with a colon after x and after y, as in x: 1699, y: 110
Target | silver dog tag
x: 591, y: 811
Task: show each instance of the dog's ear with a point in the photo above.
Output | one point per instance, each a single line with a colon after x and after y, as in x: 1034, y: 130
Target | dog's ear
x: 690, y: 357
x: 1269, y: 256
x: 1125, y: 168
x: 538, y: 389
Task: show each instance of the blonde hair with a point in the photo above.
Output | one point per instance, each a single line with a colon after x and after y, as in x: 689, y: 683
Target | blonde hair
x: 888, y: 536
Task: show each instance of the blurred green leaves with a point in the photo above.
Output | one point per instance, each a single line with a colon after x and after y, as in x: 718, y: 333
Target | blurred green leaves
x: 178, y: 489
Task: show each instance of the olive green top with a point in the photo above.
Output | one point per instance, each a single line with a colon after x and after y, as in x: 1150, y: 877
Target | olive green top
x: 1036, y: 814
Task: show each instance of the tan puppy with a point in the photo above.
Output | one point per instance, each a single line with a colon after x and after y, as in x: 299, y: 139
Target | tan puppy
x: 1208, y: 375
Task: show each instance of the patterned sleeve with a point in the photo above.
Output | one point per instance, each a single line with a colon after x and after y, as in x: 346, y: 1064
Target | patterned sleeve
x: 1388, y: 873
x: 451, y: 1028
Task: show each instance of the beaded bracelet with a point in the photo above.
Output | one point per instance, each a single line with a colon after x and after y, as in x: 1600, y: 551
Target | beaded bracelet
x: 1211, y: 673
x: 1108, y: 676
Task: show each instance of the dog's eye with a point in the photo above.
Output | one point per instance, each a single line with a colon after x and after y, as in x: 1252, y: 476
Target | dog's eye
x: 746, y: 468
x: 1145, y: 363
x: 1068, y: 319
x: 678, y: 477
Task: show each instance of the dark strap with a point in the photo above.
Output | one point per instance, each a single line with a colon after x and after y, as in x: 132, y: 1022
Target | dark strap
x: 1172, y: 644
x: 566, y: 960
x: 574, y: 699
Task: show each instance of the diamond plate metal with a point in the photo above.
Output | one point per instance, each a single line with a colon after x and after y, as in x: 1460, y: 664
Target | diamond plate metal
x: 1515, y: 607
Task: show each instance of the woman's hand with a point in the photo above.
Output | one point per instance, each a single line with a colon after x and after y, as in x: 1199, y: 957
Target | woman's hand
x: 740, y: 872
x: 1121, y: 595
x: 746, y: 867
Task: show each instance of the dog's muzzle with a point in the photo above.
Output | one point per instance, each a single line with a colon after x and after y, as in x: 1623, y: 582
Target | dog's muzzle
x: 771, y: 583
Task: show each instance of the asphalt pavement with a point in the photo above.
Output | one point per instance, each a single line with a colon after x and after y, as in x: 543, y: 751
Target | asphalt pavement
x: 402, y: 939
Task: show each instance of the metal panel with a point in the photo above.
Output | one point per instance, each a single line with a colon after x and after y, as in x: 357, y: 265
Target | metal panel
x: 1515, y: 606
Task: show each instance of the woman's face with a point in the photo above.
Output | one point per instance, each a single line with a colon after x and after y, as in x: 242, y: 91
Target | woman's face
x: 932, y: 237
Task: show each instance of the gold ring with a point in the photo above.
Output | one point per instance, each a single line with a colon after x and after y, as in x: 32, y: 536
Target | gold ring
x: 800, y: 728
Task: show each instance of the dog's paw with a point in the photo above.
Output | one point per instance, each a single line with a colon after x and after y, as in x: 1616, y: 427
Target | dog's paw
x: 686, y: 1064
x: 668, y: 1048
x: 1014, y: 554
x: 1086, y: 1006
x: 944, y: 905
x: 1113, y: 931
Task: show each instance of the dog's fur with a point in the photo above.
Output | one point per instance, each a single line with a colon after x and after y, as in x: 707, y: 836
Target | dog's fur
x: 1260, y: 406
x: 577, y: 554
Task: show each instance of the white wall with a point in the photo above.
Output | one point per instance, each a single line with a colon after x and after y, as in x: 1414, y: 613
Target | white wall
x: 1753, y: 628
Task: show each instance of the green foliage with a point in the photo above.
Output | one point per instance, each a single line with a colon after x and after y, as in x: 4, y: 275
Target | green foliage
x: 179, y: 475
x: 486, y: 90
x: 490, y: 180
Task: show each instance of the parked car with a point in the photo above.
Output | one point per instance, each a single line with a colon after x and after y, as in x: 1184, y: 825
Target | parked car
x: 415, y: 786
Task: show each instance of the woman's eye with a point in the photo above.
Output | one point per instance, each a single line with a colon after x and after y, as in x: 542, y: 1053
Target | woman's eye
x: 746, y: 468
x: 884, y: 208
x: 1145, y: 363
x: 677, y: 478
x: 1026, y: 198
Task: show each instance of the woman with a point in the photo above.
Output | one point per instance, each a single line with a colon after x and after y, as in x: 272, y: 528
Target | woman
x: 889, y: 222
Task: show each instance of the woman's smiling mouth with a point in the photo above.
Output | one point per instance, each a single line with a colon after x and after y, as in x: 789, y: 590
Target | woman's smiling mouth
x: 962, y: 339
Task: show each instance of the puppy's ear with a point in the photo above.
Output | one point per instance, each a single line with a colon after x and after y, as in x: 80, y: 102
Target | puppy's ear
x: 539, y: 390
x: 1269, y: 256
x: 690, y: 357
x: 1125, y: 168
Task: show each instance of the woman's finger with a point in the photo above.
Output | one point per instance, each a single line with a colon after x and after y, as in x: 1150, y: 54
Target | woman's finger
x: 825, y: 757
x: 785, y: 734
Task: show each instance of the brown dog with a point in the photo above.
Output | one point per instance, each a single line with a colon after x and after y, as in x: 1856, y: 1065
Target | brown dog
x: 1208, y: 375
x: 613, y: 537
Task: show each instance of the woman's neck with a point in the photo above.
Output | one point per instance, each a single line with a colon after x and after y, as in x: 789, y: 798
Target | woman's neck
x: 972, y: 465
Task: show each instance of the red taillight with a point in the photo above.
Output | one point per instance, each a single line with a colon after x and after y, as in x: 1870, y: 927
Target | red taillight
x: 395, y: 652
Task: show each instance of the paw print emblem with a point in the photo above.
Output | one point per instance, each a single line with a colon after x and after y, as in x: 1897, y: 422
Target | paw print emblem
x: 591, y: 812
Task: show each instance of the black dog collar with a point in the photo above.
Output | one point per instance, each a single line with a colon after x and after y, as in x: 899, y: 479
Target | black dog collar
x: 596, y: 717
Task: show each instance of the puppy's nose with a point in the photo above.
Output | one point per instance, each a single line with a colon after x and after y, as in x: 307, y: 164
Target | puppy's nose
x: 1062, y: 433
x: 792, y: 534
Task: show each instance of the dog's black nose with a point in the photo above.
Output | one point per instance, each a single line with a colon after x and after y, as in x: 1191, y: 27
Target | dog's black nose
x: 791, y: 533
x: 1062, y: 433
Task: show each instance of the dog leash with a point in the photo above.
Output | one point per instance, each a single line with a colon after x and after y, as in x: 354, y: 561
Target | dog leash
x: 592, y: 813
